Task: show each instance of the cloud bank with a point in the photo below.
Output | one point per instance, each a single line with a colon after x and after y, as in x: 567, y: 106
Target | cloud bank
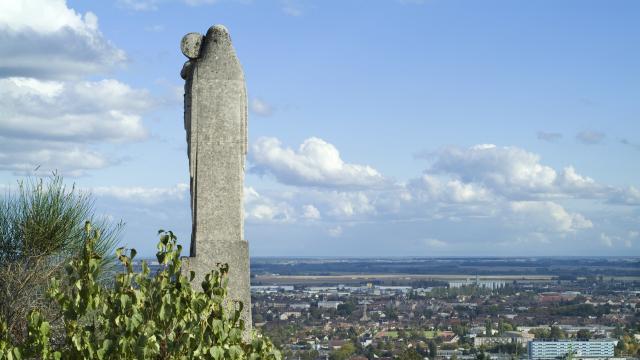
x: 45, y: 39
x: 53, y: 118
x: 484, y: 198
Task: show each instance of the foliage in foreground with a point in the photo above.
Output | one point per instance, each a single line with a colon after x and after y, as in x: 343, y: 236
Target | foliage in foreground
x: 45, y: 217
x: 144, y: 316
x: 41, y: 229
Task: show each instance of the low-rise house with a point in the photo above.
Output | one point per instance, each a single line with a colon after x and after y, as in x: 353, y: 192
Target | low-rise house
x: 329, y: 304
x: 290, y: 314
x: 300, y: 306
x: 449, y: 337
x: 336, y: 344
x: 479, y: 341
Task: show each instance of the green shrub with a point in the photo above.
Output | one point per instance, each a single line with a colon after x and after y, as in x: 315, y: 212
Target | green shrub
x: 144, y: 316
x: 41, y: 229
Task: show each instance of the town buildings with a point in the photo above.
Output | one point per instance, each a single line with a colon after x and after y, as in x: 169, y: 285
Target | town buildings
x: 380, y: 321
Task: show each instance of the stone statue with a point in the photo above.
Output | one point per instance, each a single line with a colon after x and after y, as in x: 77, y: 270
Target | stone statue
x: 215, y: 119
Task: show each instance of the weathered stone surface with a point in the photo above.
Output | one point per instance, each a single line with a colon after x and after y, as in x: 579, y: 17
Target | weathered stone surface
x: 215, y: 120
x: 187, y: 68
x: 190, y: 45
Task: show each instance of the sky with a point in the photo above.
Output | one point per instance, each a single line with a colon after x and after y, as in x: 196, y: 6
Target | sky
x: 376, y: 128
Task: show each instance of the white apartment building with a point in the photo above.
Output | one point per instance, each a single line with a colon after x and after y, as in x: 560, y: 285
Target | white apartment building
x: 554, y: 349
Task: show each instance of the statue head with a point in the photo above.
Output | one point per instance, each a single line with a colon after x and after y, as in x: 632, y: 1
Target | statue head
x: 214, y: 52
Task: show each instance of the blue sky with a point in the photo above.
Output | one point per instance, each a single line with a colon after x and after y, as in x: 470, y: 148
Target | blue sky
x: 377, y: 128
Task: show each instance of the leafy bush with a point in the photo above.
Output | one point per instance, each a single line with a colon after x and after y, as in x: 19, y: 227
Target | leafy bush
x: 143, y: 316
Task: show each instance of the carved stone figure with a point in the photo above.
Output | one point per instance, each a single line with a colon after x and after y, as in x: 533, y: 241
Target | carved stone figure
x: 215, y: 120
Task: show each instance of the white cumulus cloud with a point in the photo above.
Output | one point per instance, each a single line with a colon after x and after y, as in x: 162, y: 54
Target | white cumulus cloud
x: 513, y: 172
x: 80, y: 111
x: 315, y: 163
x: 310, y: 212
x: 626, y: 196
x: 504, y: 169
x: 548, y: 216
x: 432, y: 188
x: 48, y: 124
x: 53, y: 118
x: 32, y: 156
x: 261, y: 208
x: 348, y: 204
x: 47, y: 39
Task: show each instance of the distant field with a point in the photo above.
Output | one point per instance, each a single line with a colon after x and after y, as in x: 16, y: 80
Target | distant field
x: 320, y: 270
x: 429, y: 334
x: 326, y: 279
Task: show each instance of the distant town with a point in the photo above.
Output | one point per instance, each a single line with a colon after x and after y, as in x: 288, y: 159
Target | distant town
x: 547, y: 308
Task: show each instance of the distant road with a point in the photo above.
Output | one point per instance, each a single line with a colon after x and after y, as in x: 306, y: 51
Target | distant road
x: 299, y: 279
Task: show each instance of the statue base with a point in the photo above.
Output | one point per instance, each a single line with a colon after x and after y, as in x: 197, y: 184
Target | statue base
x: 236, y: 254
